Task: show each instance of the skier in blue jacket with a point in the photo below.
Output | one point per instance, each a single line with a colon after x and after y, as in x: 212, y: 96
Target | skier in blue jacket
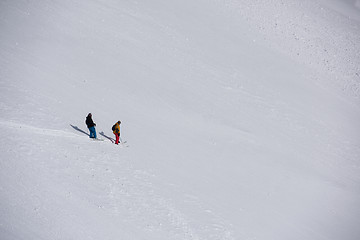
x: 91, y: 125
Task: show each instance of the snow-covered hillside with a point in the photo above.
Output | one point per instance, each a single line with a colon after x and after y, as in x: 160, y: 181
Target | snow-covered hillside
x: 241, y: 119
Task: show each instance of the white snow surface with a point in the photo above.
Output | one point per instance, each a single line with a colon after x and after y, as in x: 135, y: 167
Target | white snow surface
x: 241, y: 119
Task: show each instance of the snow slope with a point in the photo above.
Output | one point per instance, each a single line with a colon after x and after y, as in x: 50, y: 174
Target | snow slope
x: 241, y: 119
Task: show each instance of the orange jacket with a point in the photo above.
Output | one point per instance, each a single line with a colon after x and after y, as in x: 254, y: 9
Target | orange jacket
x: 117, y: 128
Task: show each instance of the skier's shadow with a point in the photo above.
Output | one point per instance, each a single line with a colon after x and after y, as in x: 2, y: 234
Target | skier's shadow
x: 103, y: 134
x: 80, y: 130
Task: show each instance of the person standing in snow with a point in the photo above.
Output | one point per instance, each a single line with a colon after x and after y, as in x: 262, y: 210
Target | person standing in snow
x: 116, y: 131
x: 91, y: 125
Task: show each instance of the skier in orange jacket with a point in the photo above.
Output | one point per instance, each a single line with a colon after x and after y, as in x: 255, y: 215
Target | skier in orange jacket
x: 116, y: 131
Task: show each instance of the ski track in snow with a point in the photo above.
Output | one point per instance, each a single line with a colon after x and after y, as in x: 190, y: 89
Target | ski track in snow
x: 112, y: 185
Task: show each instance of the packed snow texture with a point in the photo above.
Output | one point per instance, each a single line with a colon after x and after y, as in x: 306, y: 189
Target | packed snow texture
x: 241, y: 119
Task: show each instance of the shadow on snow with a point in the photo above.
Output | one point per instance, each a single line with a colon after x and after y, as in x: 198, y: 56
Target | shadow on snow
x: 80, y: 130
x: 87, y: 134
x: 103, y: 134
